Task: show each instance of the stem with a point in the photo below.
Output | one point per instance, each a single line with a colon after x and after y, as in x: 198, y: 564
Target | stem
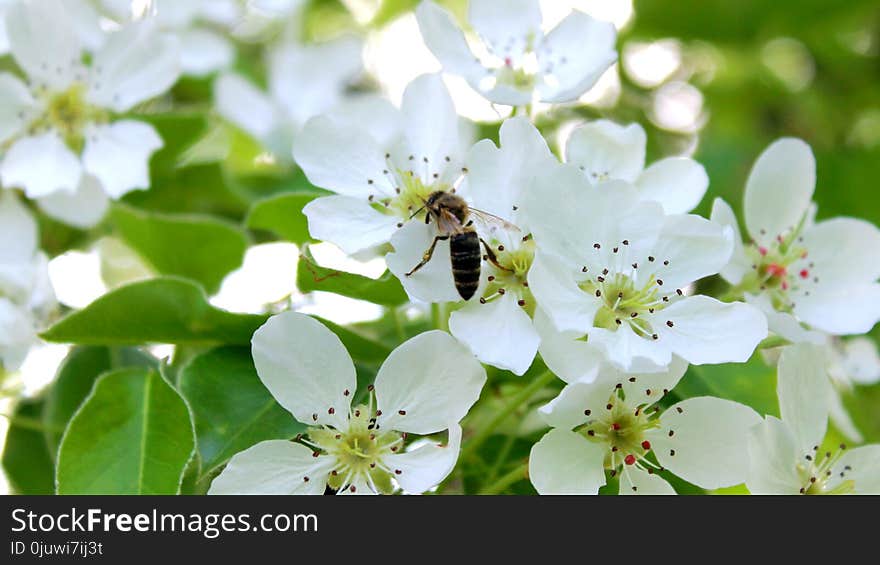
x: 518, y: 473
x: 521, y: 397
x: 27, y: 423
x: 501, y: 459
x: 440, y: 316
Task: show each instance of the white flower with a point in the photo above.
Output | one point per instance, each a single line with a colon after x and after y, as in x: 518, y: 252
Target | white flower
x: 382, y: 163
x: 425, y: 386
x: 822, y: 274
x: 516, y: 63
x: 604, y: 150
x: 850, y: 362
x: 304, y: 81
x: 26, y: 296
x: 59, y: 130
x: 785, y: 455
x: 615, y: 269
x: 612, y: 424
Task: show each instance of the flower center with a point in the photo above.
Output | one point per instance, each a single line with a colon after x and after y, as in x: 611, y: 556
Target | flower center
x: 780, y: 269
x: 817, y: 474
x: 510, y: 275
x: 68, y: 113
x: 413, y: 184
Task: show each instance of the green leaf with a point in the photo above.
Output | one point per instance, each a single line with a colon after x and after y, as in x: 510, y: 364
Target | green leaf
x: 132, y: 435
x: 161, y: 310
x: 752, y: 383
x: 26, y: 458
x: 386, y: 290
x: 231, y: 408
x: 76, y: 376
x: 198, y: 248
x: 282, y: 215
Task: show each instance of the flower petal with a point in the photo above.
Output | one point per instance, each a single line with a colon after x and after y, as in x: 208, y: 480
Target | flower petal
x: 41, y: 165
x: 648, y: 388
x: 784, y: 324
x: 135, y: 64
x: 425, y: 467
x: 274, y: 467
x: 564, y: 462
x: 43, y: 42
x: 202, y: 52
x: 636, y: 481
x: 803, y: 389
x: 17, y: 104
x: 709, y: 443
x: 500, y: 333
x: 433, y: 282
x: 606, y: 150
x: 506, y: 25
x: 18, y: 230
x: 773, y: 456
x: 707, y: 331
x: 571, y: 407
x: 575, y: 54
x: 350, y: 223
x: 779, y: 189
x: 571, y: 358
x: 693, y: 247
x: 863, y: 463
x: 446, y: 41
x: 306, y: 368
x: 841, y: 418
x: 557, y: 293
x: 118, y: 155
x: 861, y: 360
x: 841, y: 309
x: 426, y: 383
x: 246, y: 106
x: 17, y: 335
x: 431, y: 125
x: 843, y: 250
x: 83, y: 209
x: 630, y: 352
x: 739, y: 263
x: 677, y: 183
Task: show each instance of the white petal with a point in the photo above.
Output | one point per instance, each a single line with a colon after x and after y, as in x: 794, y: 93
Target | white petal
x: 350, y: 223
x: 570, y: 408
x: 274, y: 467
x: 607, y: 150
x: 41, y: 165
x: 203, y: 52
x: 571, y: 358
x: 137, y: 63
x: 861, y: 360
x: 635, y: 481
x: 431, y: 124
x: 803, y: 388
x: 841, y: 418
x: 500, y: 333
x: 433, y: 282
x: 630, y: 352
x: 505, y: 22
x: 844, y: 250
x: 43, y: 42
x: 677, y: 183
x: 575, y: 54
x: 306, y: 368
x: 373, y: 114
x: 779, y: 189
x: 425, y: 467
x: 773, y: 456
x: 557, y: 292
x: 739, y: 263
x: 864, y: 463
x: 709, y: 441
x: 17, y: 335
x: 784, y: 324
x: 83, y: 209
x: 17, y: 104
x: 693, y: 246
x: 841, y: 309
x: 446, y: 41
x: 433, y: 379
x: 118, y: 155
x: 341, y: 158
x: 18, y: 230
x: 648, y: 388
x: 244, y: 105
x: 707, y: 331
x: 564, y: 462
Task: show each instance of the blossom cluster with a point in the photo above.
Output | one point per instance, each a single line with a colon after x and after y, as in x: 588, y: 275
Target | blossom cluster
x: 579, y: 269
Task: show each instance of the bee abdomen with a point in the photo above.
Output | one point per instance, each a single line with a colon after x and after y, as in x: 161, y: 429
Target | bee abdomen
x: 464, y: 252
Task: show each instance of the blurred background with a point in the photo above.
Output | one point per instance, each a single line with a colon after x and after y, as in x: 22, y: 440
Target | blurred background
x: 714, y: 79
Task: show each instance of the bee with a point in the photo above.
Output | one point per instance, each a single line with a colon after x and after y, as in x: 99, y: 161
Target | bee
x: 453, y: 217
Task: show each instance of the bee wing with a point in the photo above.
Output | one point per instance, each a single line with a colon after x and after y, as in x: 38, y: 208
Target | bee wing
x: 492, y: 221
x: 448, y: 223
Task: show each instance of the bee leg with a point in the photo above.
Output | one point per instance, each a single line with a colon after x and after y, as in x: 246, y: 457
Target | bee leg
x: 428, y: 254
x: 492, y: 258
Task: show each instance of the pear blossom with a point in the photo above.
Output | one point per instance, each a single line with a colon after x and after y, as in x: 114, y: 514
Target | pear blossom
x: 515, y: 63
x: 59, y: 134
x: 851, y: 362
x: 785, y: 455
x: 616, y: 269
x: 798, y: 271
x: 604, y: 150
x: 382, y: 163
x: 26, y: 296
x: 304, y: 81
x: 424, y: 387
x: 613, y: 424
